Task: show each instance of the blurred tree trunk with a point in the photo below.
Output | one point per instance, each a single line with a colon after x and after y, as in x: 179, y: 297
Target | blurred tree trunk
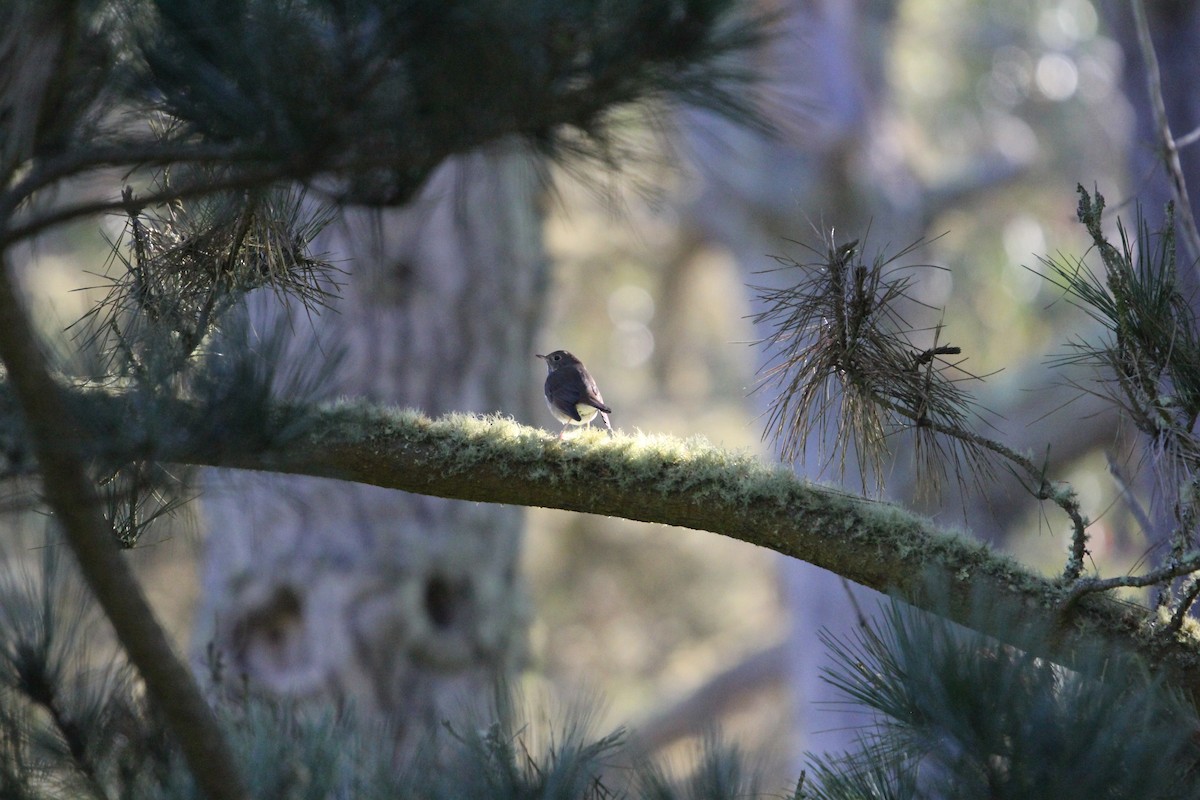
x: 830, y: 167
x: 407, y: 606
x: 834, y: 165
x: 1175, y: 32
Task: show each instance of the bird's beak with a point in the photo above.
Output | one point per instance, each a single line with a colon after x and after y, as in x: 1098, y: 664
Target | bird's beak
x: 539, y: 355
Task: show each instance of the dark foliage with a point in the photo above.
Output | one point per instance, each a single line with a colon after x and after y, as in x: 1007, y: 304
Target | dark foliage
x: 850, y: 369
x: 959, y: 714
x: 73, y: 724
x: 389, y: 90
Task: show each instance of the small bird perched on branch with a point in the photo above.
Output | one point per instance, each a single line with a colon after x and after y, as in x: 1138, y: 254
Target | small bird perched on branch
x: 571, y: 392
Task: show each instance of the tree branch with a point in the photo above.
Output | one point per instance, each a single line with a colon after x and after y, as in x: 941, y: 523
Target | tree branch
x: 39, y: 222
x: 693, y: 485
x: 71, y: 496
x: 126, y: 155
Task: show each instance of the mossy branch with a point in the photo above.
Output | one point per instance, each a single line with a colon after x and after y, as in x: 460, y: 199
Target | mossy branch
x: 690, y: 484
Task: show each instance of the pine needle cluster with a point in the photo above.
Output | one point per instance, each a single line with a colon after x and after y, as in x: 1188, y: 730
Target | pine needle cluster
x: 179, y: 269
x: 362, y: 100
x: 1148, y: 364
x: 172, y: 325
x: 959, y: 714
x: 376, y: 95
x: 848, y: 367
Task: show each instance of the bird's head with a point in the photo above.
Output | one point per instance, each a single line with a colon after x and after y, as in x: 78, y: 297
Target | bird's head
x: 557, y: 359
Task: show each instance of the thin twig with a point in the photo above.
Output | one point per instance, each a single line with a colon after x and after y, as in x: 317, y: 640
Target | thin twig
x: 1060, y: 494
x: 928, y: 355
x: 1185, y: 605
x: 1092, y: 585
x: 1188, y: 139
x: 40, y: 222
x: 1169, y: 148
x: 75, y: 163
x: 1131, y: 502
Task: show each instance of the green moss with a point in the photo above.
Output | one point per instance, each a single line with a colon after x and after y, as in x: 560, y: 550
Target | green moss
x: 767, y: 495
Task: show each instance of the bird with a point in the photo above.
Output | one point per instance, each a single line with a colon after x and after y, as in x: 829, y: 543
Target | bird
x: 571, y: 392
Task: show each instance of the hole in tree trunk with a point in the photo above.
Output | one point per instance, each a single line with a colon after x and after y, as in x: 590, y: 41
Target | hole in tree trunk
x: 441, y: 601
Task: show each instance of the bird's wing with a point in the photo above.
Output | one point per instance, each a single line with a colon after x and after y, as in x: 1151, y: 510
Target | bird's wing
x: 565, y: 393
x: 593, y: 398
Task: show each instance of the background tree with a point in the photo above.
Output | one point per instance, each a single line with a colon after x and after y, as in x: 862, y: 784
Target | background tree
x: 405, y: 605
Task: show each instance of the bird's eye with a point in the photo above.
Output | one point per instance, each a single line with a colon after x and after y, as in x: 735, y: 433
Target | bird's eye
x: 557, y: 358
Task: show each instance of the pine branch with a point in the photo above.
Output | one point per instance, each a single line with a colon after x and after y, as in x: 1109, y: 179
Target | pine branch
x: 20, y: 229
x: 686, y: 484
x: 845, y: 359
x: 71, y: 496
x: 364, y: 102
x: 1186, y: 566
x: 142, y: 151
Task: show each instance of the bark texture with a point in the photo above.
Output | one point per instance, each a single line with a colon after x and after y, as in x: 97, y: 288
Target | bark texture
x: 406, y: 605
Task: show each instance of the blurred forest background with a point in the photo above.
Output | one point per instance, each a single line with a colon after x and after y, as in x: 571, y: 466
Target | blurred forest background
x: 968, y: 124
x: 984, y: 117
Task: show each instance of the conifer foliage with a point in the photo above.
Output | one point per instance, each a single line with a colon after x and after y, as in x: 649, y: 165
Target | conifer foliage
x: 950, y: 712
